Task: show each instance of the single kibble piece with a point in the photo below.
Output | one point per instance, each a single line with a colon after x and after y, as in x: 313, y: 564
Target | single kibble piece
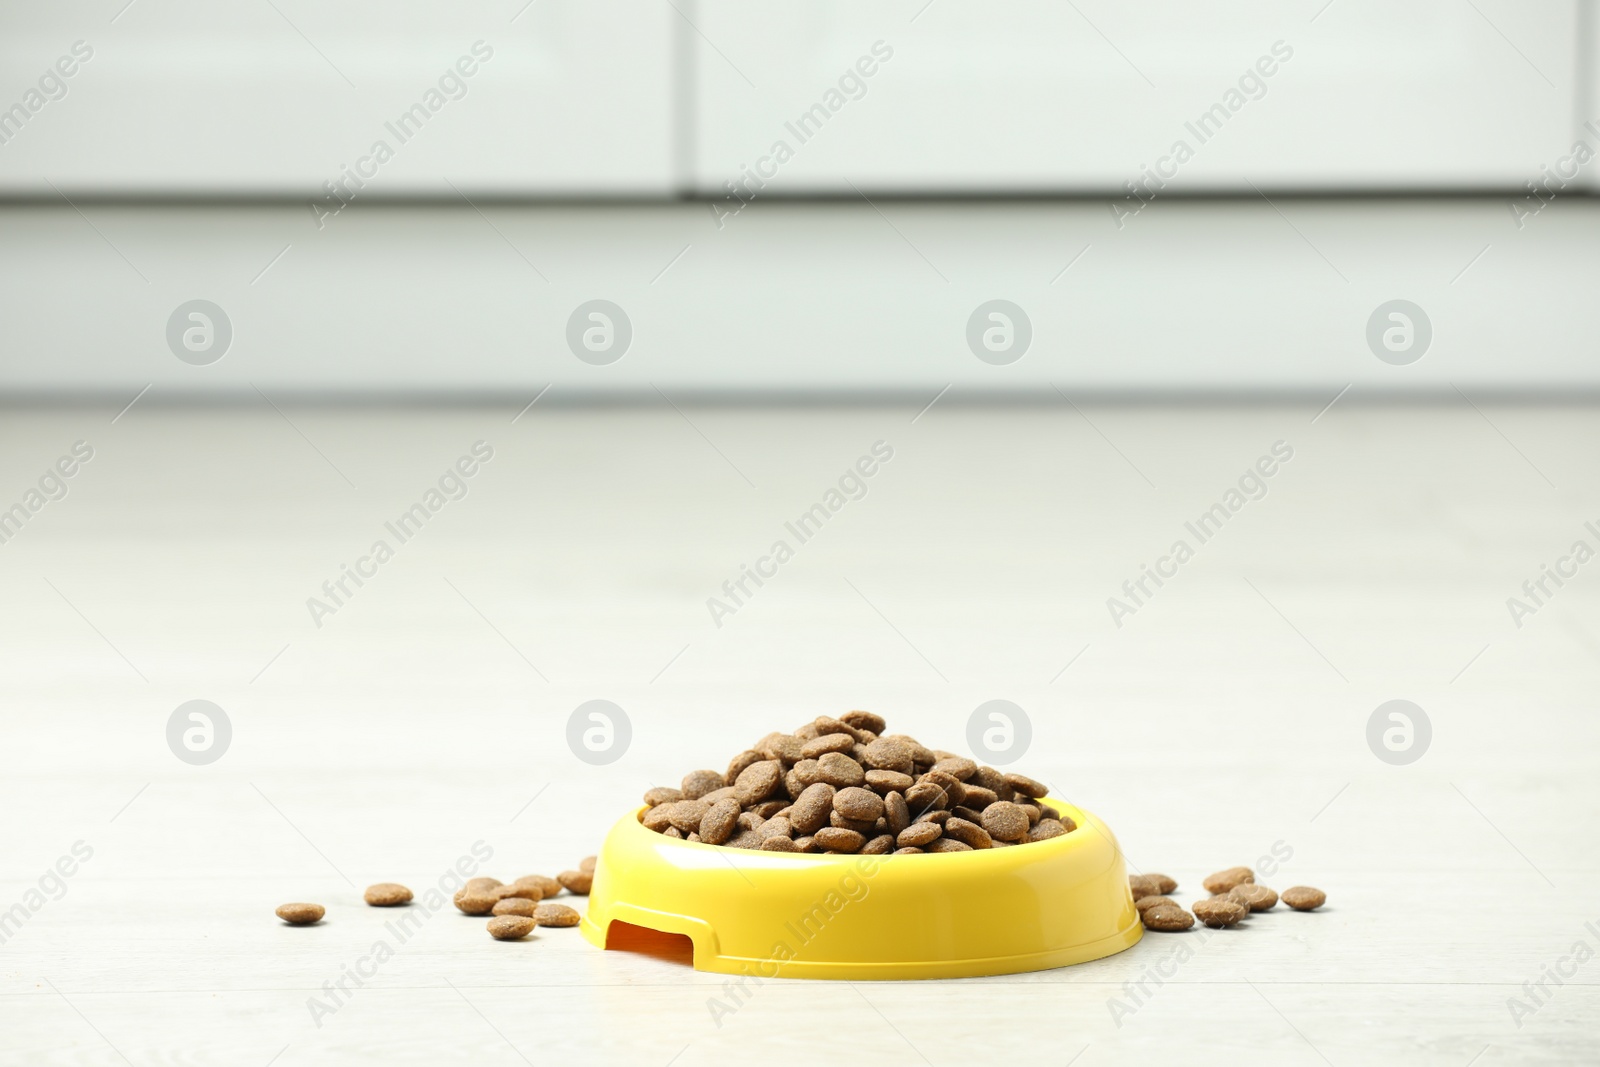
x: 1255, y: 897
x: 881, y: 845
x: 1026, y: 786
x: 1218, y: 912
x: 556, y: 915
x: 968, y: 833
x: 1144, y: 885
x: 821, y: 746
x: 835, y: 839
x: 387, y: 895
x: 1168, y: 918
x: 888, y: 754
x: 1046, y: 829
x: 919, y: 835
x: 758, y: 781
x: 1146, y: 903
x: 697, y: 784
x: 784, y: 748
x: 301, y: 914
x: 947, y: 844
x: 685, y: 815
x: 475, y: 902
x: 811, y: 809
x: 577, y: 882
x: 588, y: 863
x: 662, y: 794
x: 1164, y: 883
x: 1223, y: 881
x: 719, y: 821
x: 895, y: 813
x: 857, y: 803
x: 864, y: 720
x: 511, y: 927
x: 888, y: 781
x: 514, y: 906
x: 957, y: 767
x: 1303, y: 898
x: 839, y: 770
x: 1005, y: 821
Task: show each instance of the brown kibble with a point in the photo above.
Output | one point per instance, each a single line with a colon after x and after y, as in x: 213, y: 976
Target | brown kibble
x: 673, y: 832
x: 835, y: 839
x: 1143, y: 886
x: 1144, y: 904
x: 919, y: 835
x: 781, y: 747
x: 1048, y: 828
x: 685, y: 815
x: 1223, y: 881
x: 1168, y: 918
x: 895, y: 813
x: 888, y: 781
x: 862, y: 805
x: 958, y: 767
x: 659, y: 818
x: 556, y: 915
x: 387, y: 895
x: 925, y: 796
x: 758, y: 781
x: 301, y: 914
x: 588, y: 863
x: 578, y: 882
x: 474, y: 902
x: 514, y: 906
x: 821, y: 746
x: 938, y: 815
x: 947, y: 844
x: 1218, y: 912
x: 907, y: 851
x: 1026, y: 786
x: 662, y: 794
x: 483, y: 885
x: 881, y: 845
x: 1304, y: 898
x: 968, y: 833
x: 768, y: 809
x: 777, y: 826
x: 864, y: 720
x: 510, y: 927
x: 1005, y: 821
x: 810, y: 810
x: 1164, y: 883
x: 978, y: 798
x: 889, y: 754
x: 1255, y: 897
x: 533, y: 887
x: 717, y: 824
x: 839, y: 770
x: 697, y: 784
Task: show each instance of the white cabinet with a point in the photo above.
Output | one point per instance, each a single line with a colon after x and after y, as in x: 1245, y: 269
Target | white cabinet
x: 277, y: 97
x: 1045, y: 96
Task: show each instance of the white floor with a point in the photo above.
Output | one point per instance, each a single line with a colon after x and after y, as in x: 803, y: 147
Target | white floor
x: 1227, y: 717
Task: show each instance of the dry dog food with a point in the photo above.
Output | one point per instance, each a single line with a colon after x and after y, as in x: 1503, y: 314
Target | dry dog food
x: 1223, y: 881
x: 1218, y: 912
x: 387, y: 895
x: 515, y: 906
x: 556, y: 915
x: 1151, y: 885
x: 843, y: 785
x: 510, y: 927
x: 1304, y: 898
x: 1255, y: 897
x: 1168, y: 918
x: 301, y: 914
x: 576, y: 882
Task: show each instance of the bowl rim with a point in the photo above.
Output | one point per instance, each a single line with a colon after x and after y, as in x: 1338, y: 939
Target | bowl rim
x: 1083, y: 818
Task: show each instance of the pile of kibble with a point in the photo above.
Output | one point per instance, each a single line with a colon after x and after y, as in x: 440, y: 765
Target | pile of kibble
x: 844, y: 786
x: 1234, y: 895
x: 516, y: 908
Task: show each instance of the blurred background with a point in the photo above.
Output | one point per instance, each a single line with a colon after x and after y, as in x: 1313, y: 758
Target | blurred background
x: 398, y: 380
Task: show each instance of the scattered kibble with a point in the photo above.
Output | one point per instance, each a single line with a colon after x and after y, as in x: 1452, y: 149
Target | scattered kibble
x: 1223, y: 881
x: 556, y: 915
x: 515, y: 906
x: 1168, y: 918
x: 1144, y: 904
x: 1255, y: 897
x: 511, y: 927
x: 1304, y: 898
x: 387, y: 895
x: 576, y: 882
x: 301, y: 914
x: 1218, y: 912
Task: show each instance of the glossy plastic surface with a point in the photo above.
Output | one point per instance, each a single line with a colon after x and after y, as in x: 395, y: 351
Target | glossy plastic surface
x: 946, y: 915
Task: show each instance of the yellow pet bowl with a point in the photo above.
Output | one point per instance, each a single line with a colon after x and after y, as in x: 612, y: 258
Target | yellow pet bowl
x: 940, y: 915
